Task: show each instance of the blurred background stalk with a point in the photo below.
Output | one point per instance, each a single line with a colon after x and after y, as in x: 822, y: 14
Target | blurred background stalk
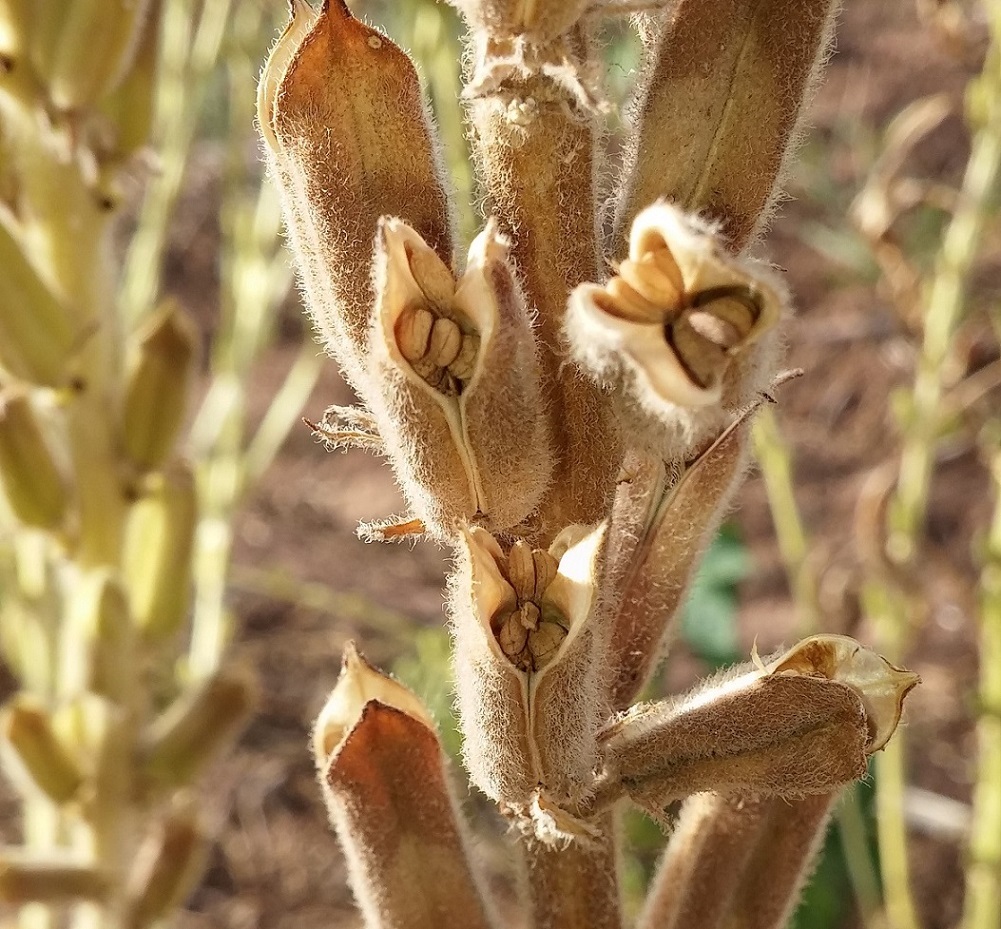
x: 115, y: 526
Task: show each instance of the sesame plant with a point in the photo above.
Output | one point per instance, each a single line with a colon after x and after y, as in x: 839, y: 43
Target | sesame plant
x: 111, y: 521
x: 567, y: 409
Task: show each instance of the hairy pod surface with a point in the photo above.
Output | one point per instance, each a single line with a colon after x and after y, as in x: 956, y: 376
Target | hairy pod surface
x: 456, y: 386
x: 530, y: 658
x: 348, y: 141
x: 682, y: 329
x: 534, y: 145
x: 660, y: 533
x: 387, y: 792
x: 720, y: 108
x: 803, y: 725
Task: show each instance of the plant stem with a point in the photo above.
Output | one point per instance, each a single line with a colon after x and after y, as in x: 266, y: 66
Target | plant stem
x: 982, y: 906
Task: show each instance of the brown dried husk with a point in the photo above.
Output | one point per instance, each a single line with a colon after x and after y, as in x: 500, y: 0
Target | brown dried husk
x: 719, y: 111
x: 348, y: 140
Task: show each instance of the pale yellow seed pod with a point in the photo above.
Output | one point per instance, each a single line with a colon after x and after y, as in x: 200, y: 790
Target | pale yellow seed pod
x: 718, y: 113
x: 39, y: 758
x: 529, y: 720
x: 83, y: 48
x: 31, y: 480
x: 30, y: 877
x: 161, y: 371
x: 159, y: 540
x: 167, y: 867
x: 131, y: 106
x: 456, y: 383
x: 348, y: 140
x: 684, y: 329
x: 36, y: 334
x: 98, y: 618
x: 196, y: 727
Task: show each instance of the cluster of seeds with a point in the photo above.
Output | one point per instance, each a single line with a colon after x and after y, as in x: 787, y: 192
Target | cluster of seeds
x: 437, y: 348
x: 702, y: 328
x: 531, y: 633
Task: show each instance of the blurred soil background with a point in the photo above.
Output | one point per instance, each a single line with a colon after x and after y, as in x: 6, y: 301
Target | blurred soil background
x: 303, y: 584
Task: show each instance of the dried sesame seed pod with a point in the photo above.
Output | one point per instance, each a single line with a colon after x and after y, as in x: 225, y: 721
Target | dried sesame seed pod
x: 159, y: 380
x: 82, y: 48
x: 42, y: 759
x: 719, y: 109
x: 32, y: 482
x: 191, y: 731
x: 684, y: 330
x: 736, y: 863
x: 159, y: 539
x: 348, y: 141
x: 455, y: 385
x: 802, y: 725
x: 387, y: 791
x: 529, y: 720
x: 534, y: 141
x: 167, y: 867
x: 659, y: 537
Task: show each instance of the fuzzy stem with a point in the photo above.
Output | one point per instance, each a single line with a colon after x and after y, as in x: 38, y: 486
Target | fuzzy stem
x: 576, y: 887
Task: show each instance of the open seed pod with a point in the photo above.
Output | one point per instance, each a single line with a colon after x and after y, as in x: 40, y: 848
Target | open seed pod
x: 681, y: 326
x: 530, y: 659
x: 456, y: 383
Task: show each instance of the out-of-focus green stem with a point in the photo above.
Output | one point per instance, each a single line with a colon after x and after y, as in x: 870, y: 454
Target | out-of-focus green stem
x: 188, y: 57
x: 982, y: 906
x: 775, y: 461
x: 944, y: 304
x: 776, y: 468
x: 890, y: 607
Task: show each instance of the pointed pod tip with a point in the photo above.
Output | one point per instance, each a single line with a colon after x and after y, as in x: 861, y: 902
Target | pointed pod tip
x: 359, y: 684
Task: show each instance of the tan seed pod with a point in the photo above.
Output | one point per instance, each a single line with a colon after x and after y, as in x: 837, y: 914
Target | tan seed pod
x: 28, y: 877
x: 338, y: 100
x: 529, y: 678
x: 804, y: 724
x: 718, y: 112
x: 388, y: 795
x: 450, y: 438
x: 537, y: 21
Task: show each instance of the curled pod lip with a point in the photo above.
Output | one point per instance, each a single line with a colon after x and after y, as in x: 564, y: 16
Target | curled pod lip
x: 677, y: 315
x: 530, y: 659
x: 455, y: 383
